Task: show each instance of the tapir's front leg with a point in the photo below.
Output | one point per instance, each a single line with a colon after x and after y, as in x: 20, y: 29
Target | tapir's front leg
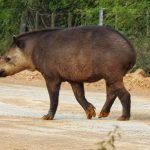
x: 53, y: 86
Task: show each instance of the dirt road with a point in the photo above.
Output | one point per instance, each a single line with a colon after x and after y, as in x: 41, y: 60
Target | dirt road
x: 22, y: 106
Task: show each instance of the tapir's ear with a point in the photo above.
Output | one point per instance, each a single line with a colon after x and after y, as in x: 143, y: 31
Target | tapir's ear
x: 19, y: 43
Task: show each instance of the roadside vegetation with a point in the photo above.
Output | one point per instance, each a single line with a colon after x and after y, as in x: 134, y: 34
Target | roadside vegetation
x: 130, y: 17
x: 109, y: 143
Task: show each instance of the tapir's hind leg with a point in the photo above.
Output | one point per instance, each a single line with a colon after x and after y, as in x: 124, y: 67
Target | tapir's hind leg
x: 114, y: 90
x: 78, y: 89
x: 124, y: 97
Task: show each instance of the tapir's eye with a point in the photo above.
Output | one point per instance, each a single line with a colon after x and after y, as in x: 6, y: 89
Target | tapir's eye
x: 7, y: 59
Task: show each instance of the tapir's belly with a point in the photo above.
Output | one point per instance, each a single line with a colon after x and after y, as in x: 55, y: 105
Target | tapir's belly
x: 80, y: 73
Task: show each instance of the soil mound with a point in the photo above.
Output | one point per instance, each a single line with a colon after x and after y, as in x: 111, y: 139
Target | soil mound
x: 132, y: 81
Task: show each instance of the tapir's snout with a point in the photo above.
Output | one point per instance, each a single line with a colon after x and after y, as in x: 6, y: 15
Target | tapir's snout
x: 2, y: 73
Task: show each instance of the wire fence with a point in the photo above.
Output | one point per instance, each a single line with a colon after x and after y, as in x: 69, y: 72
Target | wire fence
x: 126, y: 21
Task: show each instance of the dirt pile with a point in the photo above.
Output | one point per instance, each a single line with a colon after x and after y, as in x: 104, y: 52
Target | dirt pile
x: 136, y: 80
x: 27, y: 75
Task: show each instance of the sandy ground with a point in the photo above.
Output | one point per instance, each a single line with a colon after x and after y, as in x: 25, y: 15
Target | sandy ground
x: 24, y: 99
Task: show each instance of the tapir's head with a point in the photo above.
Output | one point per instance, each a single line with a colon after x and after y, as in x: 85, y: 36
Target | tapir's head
x: 15, y: 59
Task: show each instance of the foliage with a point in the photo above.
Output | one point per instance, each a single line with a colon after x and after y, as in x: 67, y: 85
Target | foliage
x: 126, y: 16
x: 8, y: 20
x: 142, y: 46
x: 10, y: 17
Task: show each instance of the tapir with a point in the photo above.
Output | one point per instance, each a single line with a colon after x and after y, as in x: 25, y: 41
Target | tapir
x: 76, y: 55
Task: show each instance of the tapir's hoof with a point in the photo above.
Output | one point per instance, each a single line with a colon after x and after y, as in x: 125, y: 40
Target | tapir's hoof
x: 48, y: 117
x: 123, y: 118
x: 103, y: 114
x: 90, y: 112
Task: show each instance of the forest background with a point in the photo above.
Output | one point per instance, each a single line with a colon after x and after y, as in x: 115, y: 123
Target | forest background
x: 130, y: 17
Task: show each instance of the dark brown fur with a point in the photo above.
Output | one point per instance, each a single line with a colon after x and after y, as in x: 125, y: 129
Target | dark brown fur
x: 78, y: 55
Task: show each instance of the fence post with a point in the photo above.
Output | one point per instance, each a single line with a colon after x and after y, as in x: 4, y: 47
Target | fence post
x: 82, y: 19
x: 53, y: 20
x: 101, y: 16
x: 116, y: 20
x: 23, y: 24
x: 69, y: 19
x: 36, y: 20
x: 147, y: 23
